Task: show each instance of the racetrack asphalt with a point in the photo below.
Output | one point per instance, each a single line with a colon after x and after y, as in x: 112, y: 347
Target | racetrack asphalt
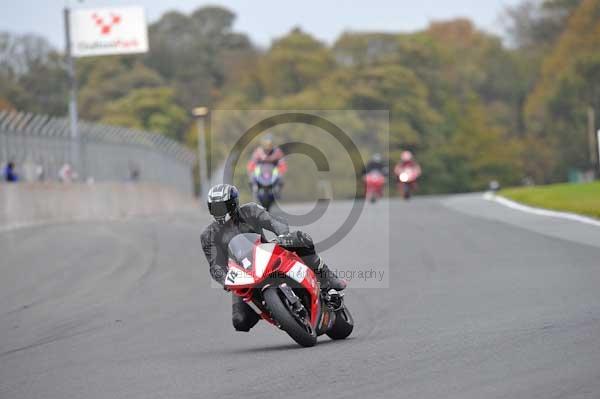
x: 481, y: 304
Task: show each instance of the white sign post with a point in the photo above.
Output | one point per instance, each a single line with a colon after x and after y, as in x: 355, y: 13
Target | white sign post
x: 90, y: 32
x: 598, y: 154
x: 107, y: 31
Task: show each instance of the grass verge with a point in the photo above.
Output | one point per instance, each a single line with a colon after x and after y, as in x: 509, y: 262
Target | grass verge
x: 583, y: 199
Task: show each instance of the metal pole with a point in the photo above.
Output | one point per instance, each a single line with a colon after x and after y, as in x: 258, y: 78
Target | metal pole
x: 591, y: 129
x: 75, y: 147
x: 202, y: 161
x: 598, y: 153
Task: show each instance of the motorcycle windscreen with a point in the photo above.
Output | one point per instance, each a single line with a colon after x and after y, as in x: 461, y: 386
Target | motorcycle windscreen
x: 241, y: 249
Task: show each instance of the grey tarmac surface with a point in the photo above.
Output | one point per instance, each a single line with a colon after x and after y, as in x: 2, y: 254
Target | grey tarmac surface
x: 479, y: 305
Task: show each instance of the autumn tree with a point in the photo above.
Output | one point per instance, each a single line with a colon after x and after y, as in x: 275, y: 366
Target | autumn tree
x: 152, y: 109
x: 32, y: 76
x: 194, y: 53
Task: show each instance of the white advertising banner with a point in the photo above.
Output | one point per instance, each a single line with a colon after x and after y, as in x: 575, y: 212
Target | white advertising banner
x: 108, y: 31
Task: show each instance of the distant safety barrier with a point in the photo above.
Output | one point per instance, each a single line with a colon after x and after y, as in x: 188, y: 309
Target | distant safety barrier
x: 31, y: 204
x: 40, y: 147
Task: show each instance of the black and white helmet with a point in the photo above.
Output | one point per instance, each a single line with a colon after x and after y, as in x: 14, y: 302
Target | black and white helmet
x: 223, y: 200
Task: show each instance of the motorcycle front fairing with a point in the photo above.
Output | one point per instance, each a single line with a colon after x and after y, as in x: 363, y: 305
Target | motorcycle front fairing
x: 266, y: 175
x: 408, y: 174
x: 375, y: 180
x: 256, y: 265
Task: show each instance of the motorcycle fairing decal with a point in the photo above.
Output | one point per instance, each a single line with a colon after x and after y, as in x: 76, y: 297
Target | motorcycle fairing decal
x: 297, y: 272
x: 246, y: 263
x: 324, y: 320
x: 236, y: 276
x: 275, y: 174
x: 262, y: 255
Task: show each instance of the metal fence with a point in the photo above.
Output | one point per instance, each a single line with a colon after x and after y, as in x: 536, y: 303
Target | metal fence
x: 40, y: 145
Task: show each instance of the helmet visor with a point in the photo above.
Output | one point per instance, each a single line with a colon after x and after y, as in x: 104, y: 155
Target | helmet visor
x: 218, y: 209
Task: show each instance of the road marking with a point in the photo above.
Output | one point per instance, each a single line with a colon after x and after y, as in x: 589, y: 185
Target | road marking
x: 15, y: 226
x: 541, y: 211
x: 43, y: 223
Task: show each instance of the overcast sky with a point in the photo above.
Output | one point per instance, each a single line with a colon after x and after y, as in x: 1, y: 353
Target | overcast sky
x: 264, y: 20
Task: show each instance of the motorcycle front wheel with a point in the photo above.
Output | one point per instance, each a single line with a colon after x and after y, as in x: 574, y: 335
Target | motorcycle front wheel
x: 281, y: 312
x: 407, y: 193
x: 265, y: 199
x: 267, y: 204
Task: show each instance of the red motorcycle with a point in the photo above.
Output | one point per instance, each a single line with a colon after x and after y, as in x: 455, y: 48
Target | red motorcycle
x: 407, y: 179
x: 283, y: 291
x: 374, y: 182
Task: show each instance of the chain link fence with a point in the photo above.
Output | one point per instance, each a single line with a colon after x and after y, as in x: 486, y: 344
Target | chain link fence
x: 40, y: 145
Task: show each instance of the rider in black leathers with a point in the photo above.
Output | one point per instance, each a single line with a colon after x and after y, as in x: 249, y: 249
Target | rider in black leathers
x: 231, y: 220
x: 376, y: 163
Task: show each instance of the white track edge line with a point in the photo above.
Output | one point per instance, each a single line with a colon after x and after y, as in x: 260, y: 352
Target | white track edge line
x: 541, y: 211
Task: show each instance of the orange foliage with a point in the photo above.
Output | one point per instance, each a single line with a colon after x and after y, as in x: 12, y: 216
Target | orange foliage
x: 5, y: 105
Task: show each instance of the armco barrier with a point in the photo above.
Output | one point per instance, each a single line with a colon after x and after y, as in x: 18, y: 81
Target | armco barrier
x: 33, y: 204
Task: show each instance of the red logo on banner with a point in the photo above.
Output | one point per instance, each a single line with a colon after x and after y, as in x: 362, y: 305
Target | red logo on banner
x: 106, y: 25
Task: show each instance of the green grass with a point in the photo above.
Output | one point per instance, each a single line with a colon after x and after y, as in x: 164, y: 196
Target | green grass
x: 583, y: 199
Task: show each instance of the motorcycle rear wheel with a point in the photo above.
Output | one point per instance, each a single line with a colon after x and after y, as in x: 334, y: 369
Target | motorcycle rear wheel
x: 288, y: 323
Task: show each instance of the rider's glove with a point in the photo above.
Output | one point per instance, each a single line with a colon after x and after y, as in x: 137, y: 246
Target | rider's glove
x: 286, y: 240
x: 296, y: 239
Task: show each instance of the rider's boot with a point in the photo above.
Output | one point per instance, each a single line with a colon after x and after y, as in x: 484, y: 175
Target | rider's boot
x: 328, y: 279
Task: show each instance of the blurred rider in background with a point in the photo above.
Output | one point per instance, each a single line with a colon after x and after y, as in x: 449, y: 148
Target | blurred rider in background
x: 376, y: 164
x: 374, y: 175
x: 407, y: 172
x: 267, y: 152
x: 407, y: 160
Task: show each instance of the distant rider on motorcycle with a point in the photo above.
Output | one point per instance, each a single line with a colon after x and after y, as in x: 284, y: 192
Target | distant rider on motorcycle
x: 232, y: 219
x: 375, y: 164
x: 374, y: 175
x: 407, y: 160
x: 407, y: 171
x: 267, y: 152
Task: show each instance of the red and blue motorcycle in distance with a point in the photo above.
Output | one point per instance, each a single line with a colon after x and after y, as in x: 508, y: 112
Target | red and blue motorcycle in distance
x: 285, y: 292
x: 266, y: 184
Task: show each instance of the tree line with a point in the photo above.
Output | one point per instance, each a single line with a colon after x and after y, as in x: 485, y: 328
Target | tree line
x: 472, y: 106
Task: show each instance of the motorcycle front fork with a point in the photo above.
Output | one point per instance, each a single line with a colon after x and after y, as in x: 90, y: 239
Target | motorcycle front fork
x: 334, y: 299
